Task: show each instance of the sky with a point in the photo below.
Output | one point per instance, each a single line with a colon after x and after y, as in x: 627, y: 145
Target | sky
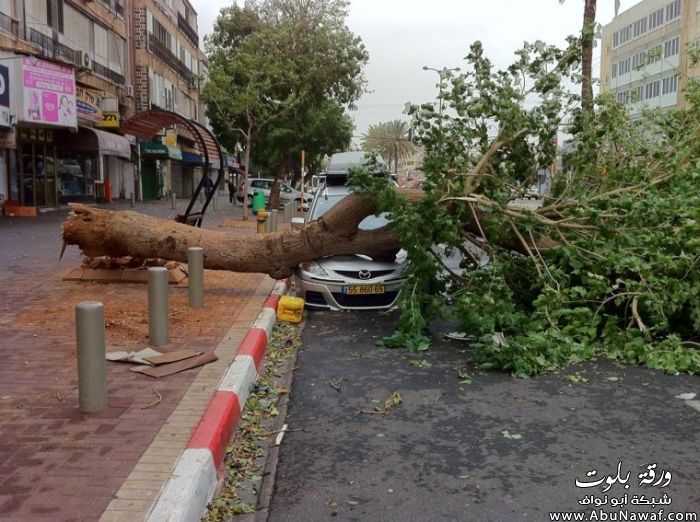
x: 402, y: 36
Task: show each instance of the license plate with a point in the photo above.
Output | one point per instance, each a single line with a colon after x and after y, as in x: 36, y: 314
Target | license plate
x: 364, y: 289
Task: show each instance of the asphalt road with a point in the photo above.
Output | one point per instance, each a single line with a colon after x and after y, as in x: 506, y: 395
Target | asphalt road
x: 498, y: 449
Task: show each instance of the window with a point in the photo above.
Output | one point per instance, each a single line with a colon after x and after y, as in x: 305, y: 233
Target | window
x: 623, y: 97
x: 624, y: 66
x: 673, y: 10
x: 640, y: 27
x: 616, y: 38
x: 54, y: 13
x: 656, y: 19
x: 654, y: 54
x: 651, y: 90
x: 614, y: 70
x: 637, y: 94
x: 671, y: 47
x: 669, y: 85
x: 161, y: 34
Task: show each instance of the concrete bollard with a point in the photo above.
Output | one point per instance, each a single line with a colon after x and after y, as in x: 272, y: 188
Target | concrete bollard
x: 288, y: 214
x: 273, y: 220
x: 158, y: 306
x: 92, y: 360
x: 174, y: 200
x: 133, y: 199
x: 215, y: 202
x: 195, y: 276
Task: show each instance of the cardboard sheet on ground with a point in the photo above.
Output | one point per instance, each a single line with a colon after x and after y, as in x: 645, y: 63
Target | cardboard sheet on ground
x: 176, y: 367
x: 177, y: 355
x: 136, y: 357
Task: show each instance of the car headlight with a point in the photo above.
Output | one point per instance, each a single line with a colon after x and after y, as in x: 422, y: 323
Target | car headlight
x: 314, y: 269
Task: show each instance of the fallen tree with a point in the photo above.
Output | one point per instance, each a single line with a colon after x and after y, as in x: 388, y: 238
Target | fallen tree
x: 607, y: 264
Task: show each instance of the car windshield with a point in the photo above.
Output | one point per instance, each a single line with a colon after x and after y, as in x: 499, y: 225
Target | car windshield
x: 325, y: 203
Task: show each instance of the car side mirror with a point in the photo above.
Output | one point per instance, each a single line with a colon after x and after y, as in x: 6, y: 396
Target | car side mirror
x: 297, y: 223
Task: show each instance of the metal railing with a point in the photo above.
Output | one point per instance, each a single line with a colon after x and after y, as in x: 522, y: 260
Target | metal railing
x: 165, y: 55
x: 187, y: 30
x: 51, y: 48
x: 9, y: 24
x: 108, y: 73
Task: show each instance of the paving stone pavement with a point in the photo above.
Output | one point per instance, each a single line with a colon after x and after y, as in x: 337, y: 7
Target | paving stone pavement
x: 57, y: 463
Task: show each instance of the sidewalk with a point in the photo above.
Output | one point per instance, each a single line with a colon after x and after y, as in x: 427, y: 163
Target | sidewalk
x: 57, y: 463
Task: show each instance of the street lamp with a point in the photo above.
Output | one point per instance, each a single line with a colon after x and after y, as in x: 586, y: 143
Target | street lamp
x: 442, y: 73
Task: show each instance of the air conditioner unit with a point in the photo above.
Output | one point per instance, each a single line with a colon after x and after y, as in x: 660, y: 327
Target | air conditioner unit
x: 128, y: 90
x: 83, y: 60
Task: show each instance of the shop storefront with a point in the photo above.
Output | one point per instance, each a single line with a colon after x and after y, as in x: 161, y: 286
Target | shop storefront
x: 191, y: 164
x: 156, y: 169
x: 7, y: 141
x: 93, y: 165
x: 45, y: 95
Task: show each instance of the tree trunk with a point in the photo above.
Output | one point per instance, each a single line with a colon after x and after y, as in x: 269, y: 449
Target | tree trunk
x: 101, y: 232
x: 587, y: 36
x: 274, y: 201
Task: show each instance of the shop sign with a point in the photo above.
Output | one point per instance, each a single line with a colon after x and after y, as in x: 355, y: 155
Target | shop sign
x: 36, y: 135
x: 109, y: 120
x: 4, y: 96
x: 48, y: 93
x: 170, y: 139
x: 89, y: 104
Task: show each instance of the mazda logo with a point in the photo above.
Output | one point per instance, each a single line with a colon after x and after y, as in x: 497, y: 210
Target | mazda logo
x: 365, y: 274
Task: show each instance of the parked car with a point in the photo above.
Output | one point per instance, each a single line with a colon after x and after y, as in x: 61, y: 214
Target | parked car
x: 287, y: 193
x: 348, y: 282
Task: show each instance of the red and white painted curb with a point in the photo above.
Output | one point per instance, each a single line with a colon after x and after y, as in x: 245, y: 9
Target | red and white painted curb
x: 193, y: 481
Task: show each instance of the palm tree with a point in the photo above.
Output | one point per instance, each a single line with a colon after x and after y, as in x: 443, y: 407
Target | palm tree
x: 392, y: 141
x: 587, y: 34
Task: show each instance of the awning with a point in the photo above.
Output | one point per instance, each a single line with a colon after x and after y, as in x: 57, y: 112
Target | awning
x: 112, y: 144
x: 92, y: 140
x: 191, y: 158
x: 155, y: 148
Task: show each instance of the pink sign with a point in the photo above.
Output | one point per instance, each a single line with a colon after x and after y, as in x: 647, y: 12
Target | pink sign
x: 49, y: 93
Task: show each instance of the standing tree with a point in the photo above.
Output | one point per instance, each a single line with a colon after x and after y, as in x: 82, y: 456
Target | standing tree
x: 275, y: 64
x: 392, y: 141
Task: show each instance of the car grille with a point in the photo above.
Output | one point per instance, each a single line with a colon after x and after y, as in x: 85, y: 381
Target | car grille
x: 315, y: 298
x: 355, y: 274
x: 384, y: 299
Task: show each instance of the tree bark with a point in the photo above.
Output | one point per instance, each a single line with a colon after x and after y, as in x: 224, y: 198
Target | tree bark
x: 587, y: 36
x: 101, y: 232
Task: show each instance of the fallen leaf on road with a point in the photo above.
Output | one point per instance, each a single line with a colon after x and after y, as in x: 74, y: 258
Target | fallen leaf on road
x: 508, y: 435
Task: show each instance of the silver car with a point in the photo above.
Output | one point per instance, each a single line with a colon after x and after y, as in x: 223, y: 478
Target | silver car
x: 348, y: 282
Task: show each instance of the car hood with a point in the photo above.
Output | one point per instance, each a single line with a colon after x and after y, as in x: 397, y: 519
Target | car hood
x: 359, y: 262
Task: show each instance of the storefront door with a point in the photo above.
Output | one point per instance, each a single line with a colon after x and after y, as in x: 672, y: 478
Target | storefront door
x: 149, y: 180
x: 37, y: 179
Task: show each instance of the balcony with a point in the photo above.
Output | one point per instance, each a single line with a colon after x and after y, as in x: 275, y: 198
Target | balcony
x: 187, y: 30
x: 166, y: 56
x: 51, y: 48
x: 9, y: 24
x: 108, y: 73
x: 115, y: 5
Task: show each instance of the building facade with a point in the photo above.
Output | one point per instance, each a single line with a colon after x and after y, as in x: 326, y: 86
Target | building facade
x: 71, y: 71
x: 168, y: 76
x: 644, y: 59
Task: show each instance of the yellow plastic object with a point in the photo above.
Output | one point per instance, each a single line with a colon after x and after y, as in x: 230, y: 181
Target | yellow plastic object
x: 290, y: 309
